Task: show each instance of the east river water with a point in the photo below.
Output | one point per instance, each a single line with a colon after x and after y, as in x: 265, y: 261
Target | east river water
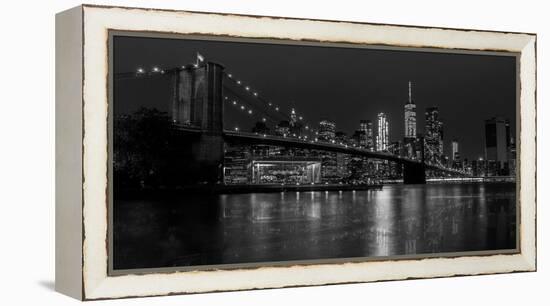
x: 288, y: 226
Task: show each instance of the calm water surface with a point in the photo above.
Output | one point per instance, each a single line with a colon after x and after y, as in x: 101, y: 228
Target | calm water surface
x: 259, y: 227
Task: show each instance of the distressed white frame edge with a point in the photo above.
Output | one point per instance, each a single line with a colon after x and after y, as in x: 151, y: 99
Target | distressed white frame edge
x: 68, y: 151
x: 98, y: 20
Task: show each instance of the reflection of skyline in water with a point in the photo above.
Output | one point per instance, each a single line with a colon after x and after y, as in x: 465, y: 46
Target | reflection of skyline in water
x: 245, y: 228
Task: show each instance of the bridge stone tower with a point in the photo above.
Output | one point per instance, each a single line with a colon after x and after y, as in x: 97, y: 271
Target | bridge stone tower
x: 414, y: 173
x: 198, y: 103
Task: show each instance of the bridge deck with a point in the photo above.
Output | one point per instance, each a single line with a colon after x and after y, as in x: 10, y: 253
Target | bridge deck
x: 309, y: 144
x: 253, y: 138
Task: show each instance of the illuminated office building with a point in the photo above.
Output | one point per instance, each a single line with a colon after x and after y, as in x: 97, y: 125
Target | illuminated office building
x: 455, y: 155
x: 370, y: 136
x: 497, y: 144
x: 434, y: 136
x: 383, y: 137
x: 410, y: 116
x: 327, y: 130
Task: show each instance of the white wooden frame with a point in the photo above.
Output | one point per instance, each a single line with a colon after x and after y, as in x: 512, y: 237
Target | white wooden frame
x: 81, y: 151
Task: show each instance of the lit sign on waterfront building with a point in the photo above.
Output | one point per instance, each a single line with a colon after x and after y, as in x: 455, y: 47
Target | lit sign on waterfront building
x: 286, y: 171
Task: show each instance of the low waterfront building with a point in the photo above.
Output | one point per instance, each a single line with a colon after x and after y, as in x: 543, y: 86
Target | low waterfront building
x: 283, y: 170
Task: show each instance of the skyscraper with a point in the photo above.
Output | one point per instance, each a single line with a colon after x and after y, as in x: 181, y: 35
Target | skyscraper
x: 362, y: 125
x: 497, y: 143
x: 395, y: 169
x: 329, y: 163
x: 282, y: 128
x: 383, y: 137
x: 327, y: 130
x: 410, y: 116
x: 363, y: 138
x: 358, y: 138
x: 512, y: 157
x: 434, y: 136
x: 370, y: 136
x: 455, y: 155
x: 295, y: 128
x: 292, y: 117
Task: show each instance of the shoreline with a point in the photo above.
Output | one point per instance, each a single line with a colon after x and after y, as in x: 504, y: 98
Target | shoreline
x: 271, y: 188
x: 235, y: 189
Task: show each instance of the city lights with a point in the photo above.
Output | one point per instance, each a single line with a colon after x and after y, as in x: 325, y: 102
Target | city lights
x: 379, y: 143
x: 228, y: 137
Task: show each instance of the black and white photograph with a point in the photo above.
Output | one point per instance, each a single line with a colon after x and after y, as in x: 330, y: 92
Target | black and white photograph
x: 229, y: 152
x: 245, y: 153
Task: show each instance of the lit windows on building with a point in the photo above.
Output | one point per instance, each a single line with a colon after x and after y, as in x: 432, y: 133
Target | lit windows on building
x: 383, y: 137
x: 282, y: 128
x: 455, y: 155
x: 370, y: 136
x: 293, y: 117
x: 410, y: 116
x: 434, y: 136
x: 363, y: 139
x: 327, y: 130
x: 498, y: 145
x: 236, y: 161
x: 295, y: 127
x: 341, y: 138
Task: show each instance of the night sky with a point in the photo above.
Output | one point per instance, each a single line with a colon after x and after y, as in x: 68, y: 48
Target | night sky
x: 343, y: 84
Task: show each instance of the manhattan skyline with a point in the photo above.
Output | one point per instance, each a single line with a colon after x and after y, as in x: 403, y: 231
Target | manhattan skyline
x: 328, y: 84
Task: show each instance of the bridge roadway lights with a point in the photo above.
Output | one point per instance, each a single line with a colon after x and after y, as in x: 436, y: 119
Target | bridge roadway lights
x: 414, y: 173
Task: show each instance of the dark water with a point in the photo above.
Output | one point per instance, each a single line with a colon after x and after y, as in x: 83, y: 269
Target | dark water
x: 246, y: 228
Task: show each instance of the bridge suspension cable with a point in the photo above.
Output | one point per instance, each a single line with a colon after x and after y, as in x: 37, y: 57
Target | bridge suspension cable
x: 249, y: 95
x: 439, y: 163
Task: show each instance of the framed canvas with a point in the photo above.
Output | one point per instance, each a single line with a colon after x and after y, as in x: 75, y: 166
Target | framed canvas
x: 201, y: 152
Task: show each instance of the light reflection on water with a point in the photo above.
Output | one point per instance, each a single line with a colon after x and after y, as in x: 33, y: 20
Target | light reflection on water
x: 243, y: 228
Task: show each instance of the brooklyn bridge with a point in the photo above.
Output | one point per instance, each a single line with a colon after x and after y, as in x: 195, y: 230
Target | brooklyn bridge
x: 201, y: 94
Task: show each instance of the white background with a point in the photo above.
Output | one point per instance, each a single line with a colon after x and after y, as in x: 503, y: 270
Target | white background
x: 27, y: 153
